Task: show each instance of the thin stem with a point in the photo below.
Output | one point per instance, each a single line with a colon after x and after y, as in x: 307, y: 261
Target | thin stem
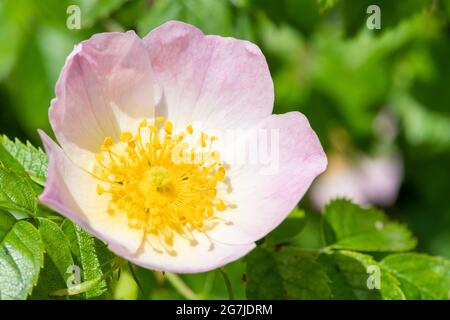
x: 181, y: 287
x: 135, y: 278
x: 227, y: 283
x: 209, y: 282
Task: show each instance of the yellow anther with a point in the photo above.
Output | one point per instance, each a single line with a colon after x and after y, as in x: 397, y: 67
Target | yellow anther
x: 203, y: 138
x: 107, y: 143
x: 189, y: 129
x: 220, y: 175
x: 221, y: 205
x: 143, y: 123
x: 168, y: 127
x: 160, y: 119
x: 100, y: 190
x: 99, y: 157
x: 125, y: 136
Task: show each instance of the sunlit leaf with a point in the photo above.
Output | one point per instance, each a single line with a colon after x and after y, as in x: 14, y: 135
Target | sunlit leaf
x: 353, y: 228
x: 21, y: 258
x: 421, y: 276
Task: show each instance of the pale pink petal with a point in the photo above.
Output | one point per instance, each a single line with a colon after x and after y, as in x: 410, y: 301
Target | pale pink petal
x: 71, y: 191
x: 105, y: 87
x: 221, y: 82
x: 344, y: 183
x: 381, y: 177
x: 205, y: 255
x: 264, y: 193
x: 364, y: 180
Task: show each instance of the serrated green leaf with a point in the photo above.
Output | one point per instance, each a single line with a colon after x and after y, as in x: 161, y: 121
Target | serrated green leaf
x: 287, y: 273
x: 33, y: 160
x: 421, y: 276
x: 8, y: 161
x: 351, y: 272
x: 16, y: 193
x: 353, y: 228
x: 56, y: 246
x: 288, y: 229
x: 57, y: 259
x: 91, y: 255
x: 21, y: 258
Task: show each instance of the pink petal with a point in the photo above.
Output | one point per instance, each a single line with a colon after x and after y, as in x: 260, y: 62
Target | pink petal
x: 364, y: 180
x: 105, y: 87
x: 222, y: 82
x: 265, y: 195
x: 205, y: 255
x: 72, y: 192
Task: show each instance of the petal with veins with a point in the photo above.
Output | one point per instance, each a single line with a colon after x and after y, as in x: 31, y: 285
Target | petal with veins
x: 105, y: 87
x: 221, y: 82
x: 263, y: 198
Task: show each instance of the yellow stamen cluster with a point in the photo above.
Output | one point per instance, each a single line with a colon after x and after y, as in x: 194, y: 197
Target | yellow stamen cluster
x: 158, y: 179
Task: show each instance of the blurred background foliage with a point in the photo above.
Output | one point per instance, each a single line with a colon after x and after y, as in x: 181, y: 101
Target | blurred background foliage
x: 365, y: 92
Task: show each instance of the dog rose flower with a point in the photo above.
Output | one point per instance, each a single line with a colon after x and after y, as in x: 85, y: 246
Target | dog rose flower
x: 143, y: 162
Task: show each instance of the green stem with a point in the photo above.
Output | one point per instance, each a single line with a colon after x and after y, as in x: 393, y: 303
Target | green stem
x: 209, y: 282
x: 181, y: 287
x: 227, y: 283
x: 135, y: 278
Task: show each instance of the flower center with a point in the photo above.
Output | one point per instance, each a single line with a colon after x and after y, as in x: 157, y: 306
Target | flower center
x: 155, y: 177
x: 166, y: 183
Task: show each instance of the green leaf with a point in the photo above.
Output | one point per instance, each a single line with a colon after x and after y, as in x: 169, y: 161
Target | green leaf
x: 352, y: 272
x: 91, y: 255
x: 49, y: 281
x: 288, y: 229
x: 287, y: 273
x: 420, y: 276
x: 33, y: 160
x: 21, y: 258
x: 7, y: 221
x: 16, y: 193
x: 7, y: 161
x: 353, y: 228
x: 56, y: 245
x: 57, y: 259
